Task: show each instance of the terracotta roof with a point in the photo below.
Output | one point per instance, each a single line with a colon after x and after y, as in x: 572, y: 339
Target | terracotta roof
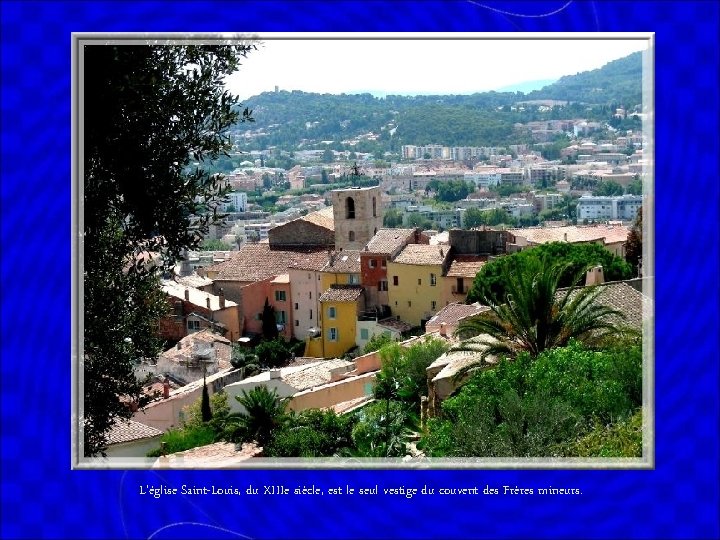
x: 256, y: 262
x: 216, y: 455
x: 422, y: 254
x: 316, y: 374
x: 129, y: 430
x: 193, y: 281
x: 541, y: 235
x: 466, y: 266
x: 346, y: 261
x: 323, y: 218
x: 342, y: 293
x: 196, y: 296
x: 389, y: 241
x: 454, y: 312
x: 395, y: 324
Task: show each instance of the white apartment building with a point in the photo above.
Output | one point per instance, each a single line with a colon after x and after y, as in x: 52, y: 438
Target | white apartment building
x: 624, y: 207
x: 239, y: 200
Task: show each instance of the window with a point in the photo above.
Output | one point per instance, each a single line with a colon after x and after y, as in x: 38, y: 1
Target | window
x: 372, y: 263
x: 297, y: 306
x: 310, y: 295
x: 374, y: 208
x: 395, y: 280
x: 433, y: 305
x: 280, y: 317
x: 331, y: 312
x: 349, y: 208
x: 383, y: 263
x: 460, y: 285
x: 193, y: 325
x: 409, y: 303
x: 353, y: 279
x: 279, y: 296
x: 311, y: 314
x: 364, y: 334
x: 433, y: 280
x: 351, y: 236
x: 419, y: 281
x: 382, y: 285
x: 333, y: 334
x: 297, y: 322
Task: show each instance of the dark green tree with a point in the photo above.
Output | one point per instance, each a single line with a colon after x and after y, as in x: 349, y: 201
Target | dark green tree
x: 269, y: 324
x: 633, y: 246
x: 492, y: 278
x: 535, y: 315
x: 264, y: 413
x: 393, y: 218
x: 149, y: 114
x: 608, y: 188
x: 205, y: 409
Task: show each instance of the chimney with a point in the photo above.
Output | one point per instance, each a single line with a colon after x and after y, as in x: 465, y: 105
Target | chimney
x: 594, y: 276
x: 274, y: 374
x: 221, y: 296
x: 443, y: 329
x: 187, y: 294
x: 179, y: 345
x: 565, y: 236
x: 166, y: 388
x: 208, y: 302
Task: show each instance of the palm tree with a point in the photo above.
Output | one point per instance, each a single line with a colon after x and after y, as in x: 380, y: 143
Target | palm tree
x: 537, y: 315
x: 264, y: 412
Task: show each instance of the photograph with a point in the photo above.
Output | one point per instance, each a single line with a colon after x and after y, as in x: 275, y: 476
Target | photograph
x: 293, y: 258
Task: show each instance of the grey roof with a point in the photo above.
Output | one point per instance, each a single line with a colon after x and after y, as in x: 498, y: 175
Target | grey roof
x: 129, y: 430
x: 624, y: 298
x: 389, y: 241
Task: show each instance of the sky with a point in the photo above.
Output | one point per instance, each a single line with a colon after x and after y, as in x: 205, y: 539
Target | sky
x: 455, y: 64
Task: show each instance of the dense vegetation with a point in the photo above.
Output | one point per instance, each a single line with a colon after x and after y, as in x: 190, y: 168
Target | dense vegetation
x: 492, y: 278
x: 569, y: 401
x: 481, y: 119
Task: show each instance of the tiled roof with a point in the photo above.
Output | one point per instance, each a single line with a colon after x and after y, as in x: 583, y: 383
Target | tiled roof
x: 388, y: 241
x: 256, y: 262
x: 323, y: 218
x: 345, y: 261
x: 341, y: 293
x: 395, y: 324
x: 193, y: 281
x: 315, y: 374
x: 466, y: 266
x: 212, y: 456
x: 542, y: 235
x: 196, y: 296
x: 626, y: 299
x: 422, y: 254
x: 223, y: 350
x: 129, y: 430
x: 454, y: 312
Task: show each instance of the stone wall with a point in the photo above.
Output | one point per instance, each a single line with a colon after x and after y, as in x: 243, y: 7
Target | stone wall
x: 300, y: 233
x: 474, y: 242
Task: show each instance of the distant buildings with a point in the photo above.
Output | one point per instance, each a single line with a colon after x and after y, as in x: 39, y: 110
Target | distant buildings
x: 624, y: 207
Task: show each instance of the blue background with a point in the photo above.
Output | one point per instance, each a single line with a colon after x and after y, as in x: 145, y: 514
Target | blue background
x: 42, y: 497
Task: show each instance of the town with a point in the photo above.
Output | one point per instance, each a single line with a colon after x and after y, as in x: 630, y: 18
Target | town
x: 362, y: 297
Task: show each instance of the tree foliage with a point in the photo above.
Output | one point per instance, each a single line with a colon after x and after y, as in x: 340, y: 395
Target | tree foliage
x: 149, y: 114
x: 536, y: 316
x: 490, y: 282
x: 633, y: 247
x: 311, y: 433
x: 403, y: 375
x: 549, y: 406
x: 264, y: 413
x: 269, y: 324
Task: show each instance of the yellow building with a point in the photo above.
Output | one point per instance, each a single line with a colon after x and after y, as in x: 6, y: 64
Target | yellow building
x: 415, y: 283
x: 339, y: 308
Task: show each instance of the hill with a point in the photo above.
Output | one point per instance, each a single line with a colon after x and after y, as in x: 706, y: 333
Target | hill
x: 364, y: 123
